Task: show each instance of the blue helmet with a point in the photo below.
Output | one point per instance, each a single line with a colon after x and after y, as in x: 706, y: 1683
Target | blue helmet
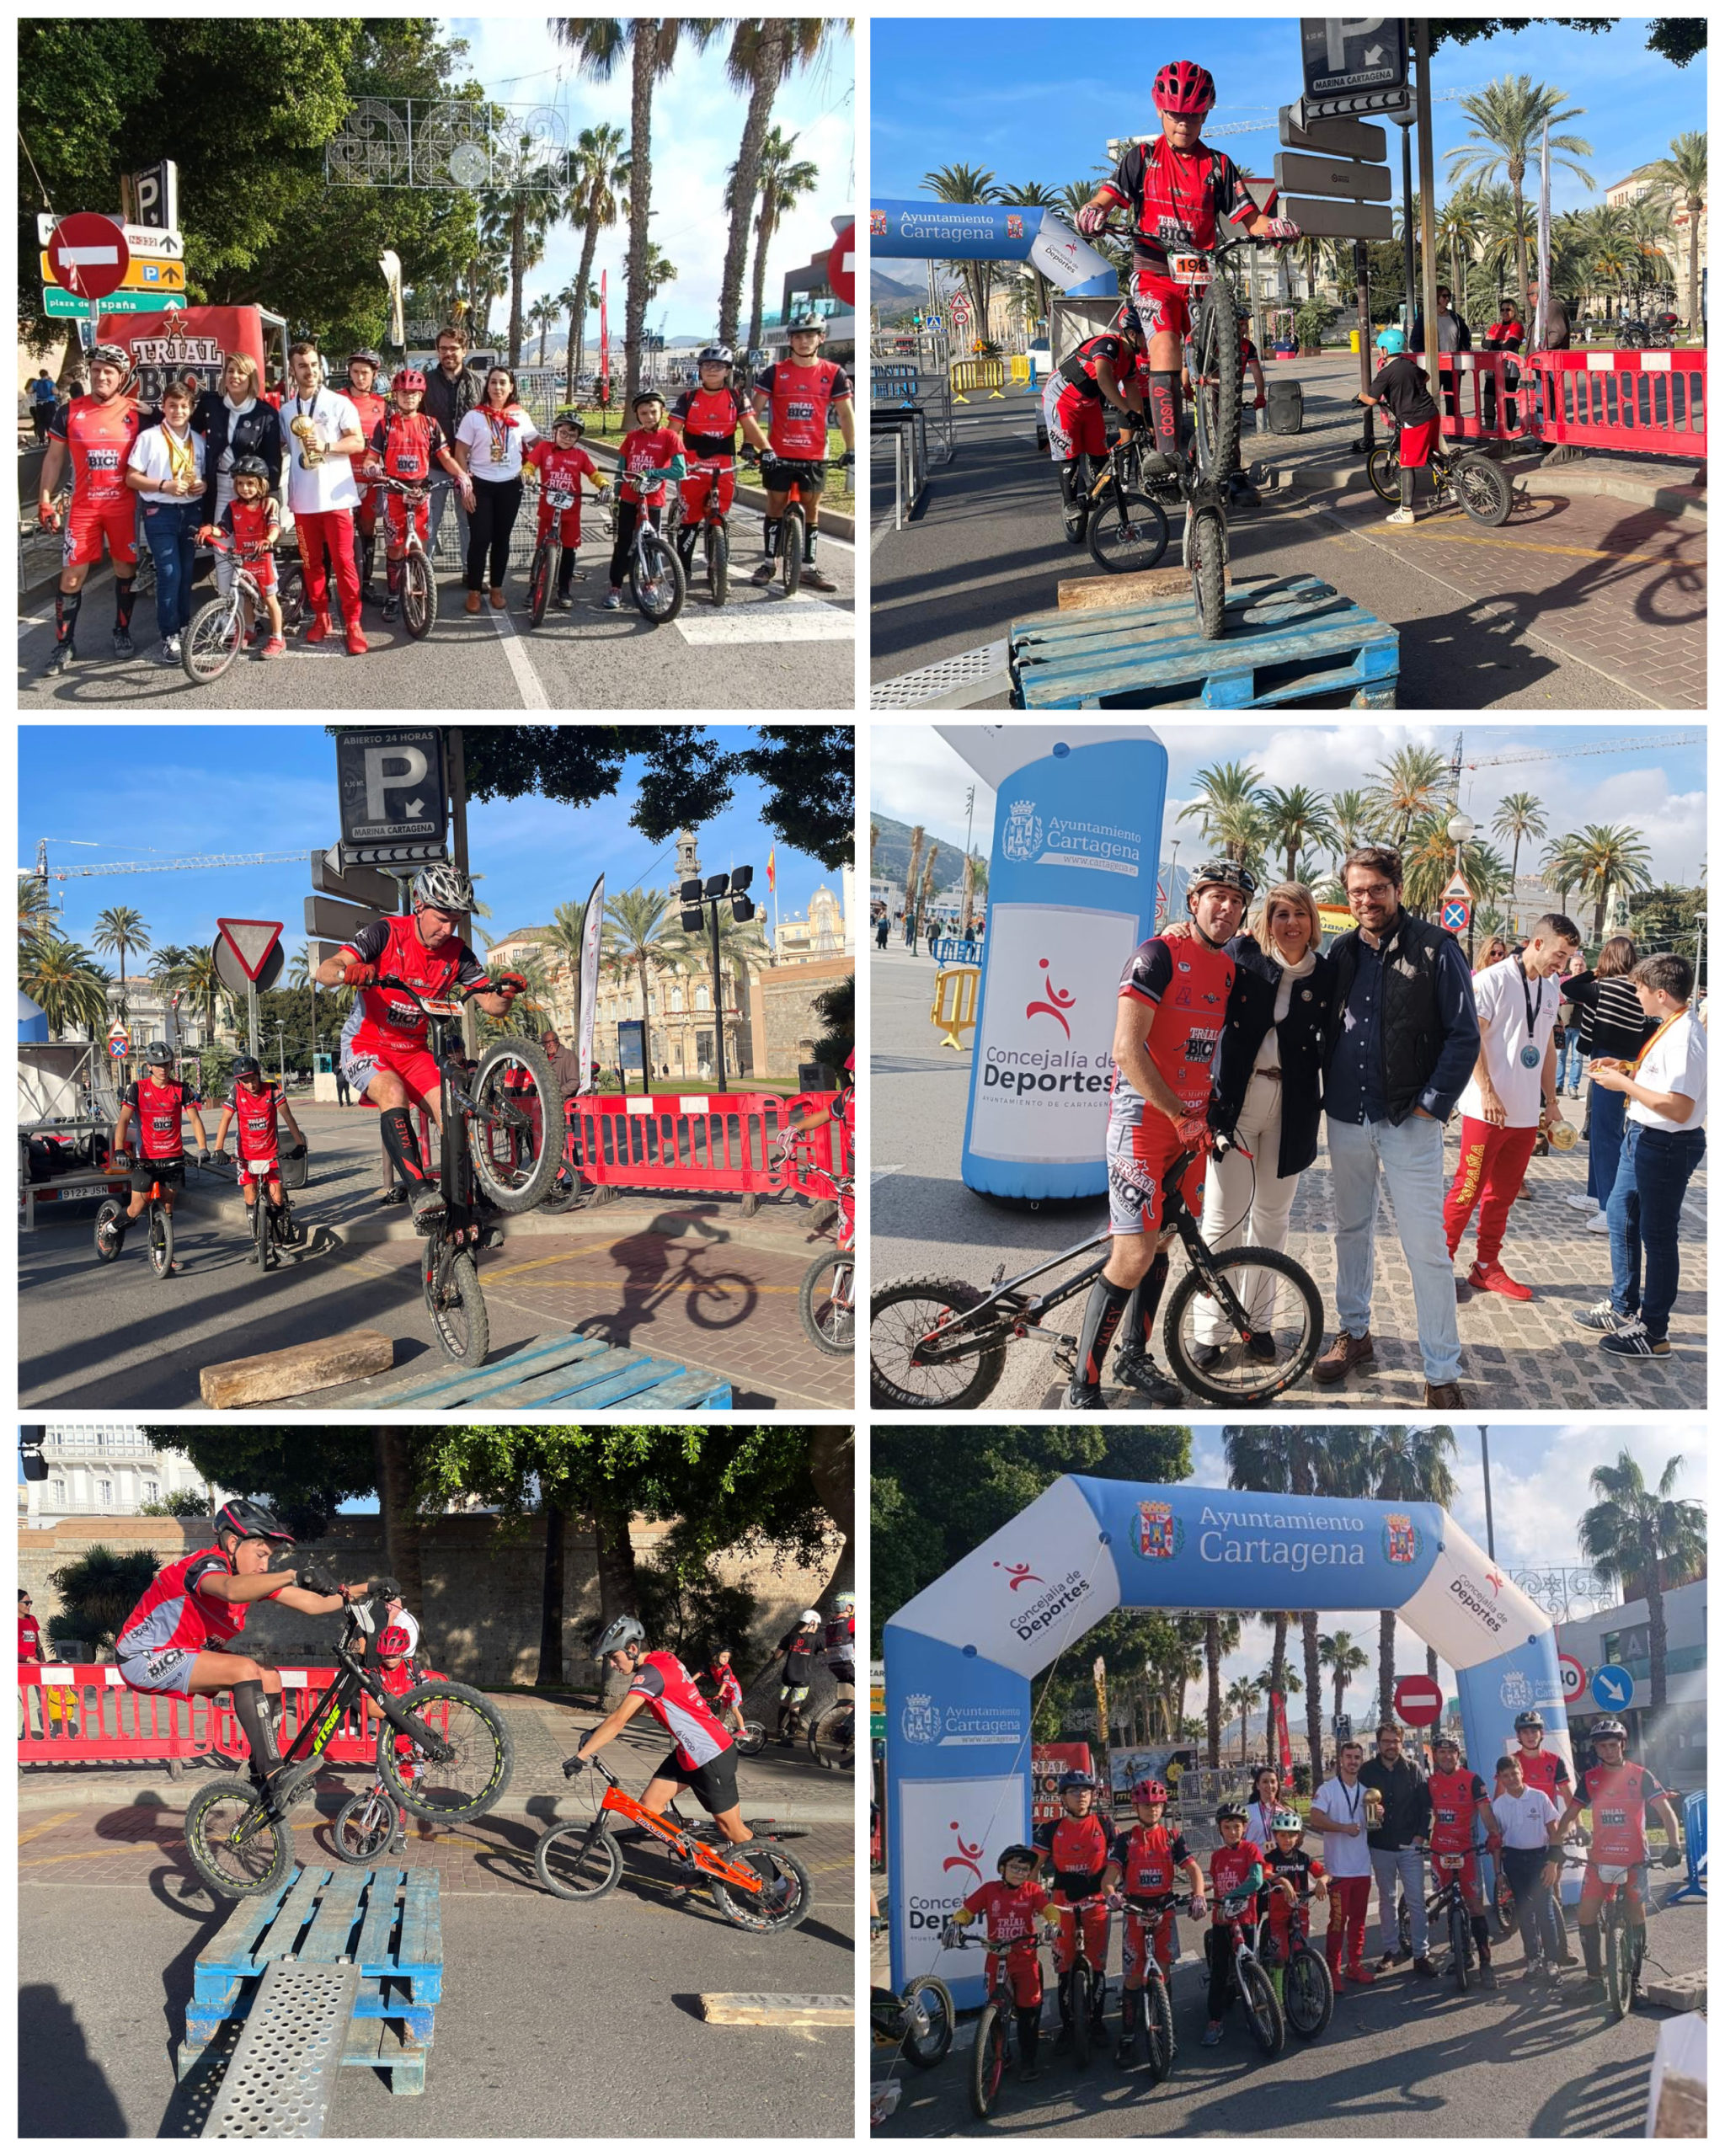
x: 1392, y: 340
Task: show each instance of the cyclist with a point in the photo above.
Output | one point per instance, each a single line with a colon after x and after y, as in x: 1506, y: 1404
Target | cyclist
x: 97, y: 433
x: 707, y: 420
x: 1105, y: 369
x: 794, y: 396
x: 385, y: 1057
x: 395, y: 1648
x: 1177, y: 189
x: 1461, y: 1812
x: 404, y: 444
x: 175, y: 1640
x: 256, y: 1103
x: 158, y: 1101
x: 840, y: 1643
x: 251, y: 522
x: 727, y: 1703
x: 1146, y: 1859
x: 1618, y: 1792
x: 1173, y: 994
x: 1237, y: 1867
x: 363, y: 369
x: 647, y: 457
x: 1078, y: 1846
x: 1010, y: 1907
x: 1290, y: 1871
x: 1402, y: 389
x: 798, y: 1646
x: 1540, y: 1769
x: 559, y: 461
x: 701, y: 1759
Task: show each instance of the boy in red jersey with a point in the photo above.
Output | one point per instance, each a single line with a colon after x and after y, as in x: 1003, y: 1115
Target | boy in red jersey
x: 648, y: 457
x: 257, y: 1103
x: 404, y: 445
x: 1461, y: 1819
x: 560, y: 464
x: 728, y: 1700
x: 1236, y: 1869
x: 1290, y: 1871
x: 1011, y: 1908
x: 1618, y: 1792
x: 702, y: 1758
x: 1078, y: 1847
x: 795, y: 396
x: 157, y: 1104
x: 707, y: 421
x: 96, y: 432
x: 363, y: 369
x: 251, y: 523
x: 1143, y: 1867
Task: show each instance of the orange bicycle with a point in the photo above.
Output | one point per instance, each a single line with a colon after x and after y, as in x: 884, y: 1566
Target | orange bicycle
x: 762, y: 1888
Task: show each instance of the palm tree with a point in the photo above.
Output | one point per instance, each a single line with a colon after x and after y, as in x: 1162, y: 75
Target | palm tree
x: 1428, y: 861
x: 638, y: 926
x: 35, y: 908
x: 651, y: 43
x: 1397, y: 1464
x: 1509, y: 117
x: 1454, y: 231
x: 1519, y: 816
x: 916, y: 836
x: 1295, y: 818
x: 764, y: 52
x: 785, y: 178
x: 969, y: 183
x: 661, y: 270
x: 1221, y: 1635
x: 514, y: 220
x: 1032, y: 194
x: 1646, y: 1539
x: 1342, y: 1655
x: 65, y: 982
x: 600, y: 174
x: 1225, y: 809
x: 541, y: 314
x: 1681, y: 180
x: 1410, y: 783
x: 1351, y: 819
x: 199, y: 979
x: 1605, y: 855
x: 121, y: 931
x: 1243, y: 1696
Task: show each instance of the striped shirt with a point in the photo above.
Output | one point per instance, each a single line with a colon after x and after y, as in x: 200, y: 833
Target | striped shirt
x: 1612, y: 1021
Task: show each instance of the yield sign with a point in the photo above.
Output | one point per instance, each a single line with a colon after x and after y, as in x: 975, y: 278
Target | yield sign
x: 88, y: 255
x: 842, y: 266
x: 251, y: 943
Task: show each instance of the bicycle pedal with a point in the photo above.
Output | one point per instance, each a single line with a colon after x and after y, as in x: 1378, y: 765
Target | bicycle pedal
x: 1065, y: 1356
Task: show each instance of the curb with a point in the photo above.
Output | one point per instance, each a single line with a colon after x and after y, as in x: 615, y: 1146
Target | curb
x: 174, y: 1798
x: 1683, y: 501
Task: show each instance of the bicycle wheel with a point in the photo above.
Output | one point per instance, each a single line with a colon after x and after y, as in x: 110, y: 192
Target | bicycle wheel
x: 260, y: 1232
x: 539, y: 583
x: 575, y: 1868
x: 1481, y: 488
x: 419, y: 596
x: 792, y: 526
x: 1501, y: 1908
x: 1076, y: 481
x: 364, y: 1827
x: 291, y: 594
x: 1617, y: 1955
x: 235, y: 1847
x: 1210, y: 571
x: 656, y: 577
x: 1274, y: 1297
x: 1081, y: 2005
x: 1308, y: 1993
x: 988, y: 2061
x: 109, y: 1215
x: 1215, y: 379
x: 518, y: 1132
x: 565, y: 1190
x: 457, y: 1303
x: 1129, y: 533
x: 903, y: 1313
x: 1158, y: 2023
x: 460, y: 1764
x: 1383, y: 467
x: 1460, y: 1931
x: 826, y: 1304
x: 832, y: 1737
x: 753, y: 1740
x: 785, y: 1898
x: 210, y: 646
x: 161, y: 1241
x: 929, y: 2018
x: 1263, y: 2014
x: 719, y: 563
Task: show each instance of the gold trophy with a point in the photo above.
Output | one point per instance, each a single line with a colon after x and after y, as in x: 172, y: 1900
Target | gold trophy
x: 311, y: 447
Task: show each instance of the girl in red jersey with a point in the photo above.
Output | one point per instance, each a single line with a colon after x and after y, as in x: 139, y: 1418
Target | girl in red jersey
x: 559, y: 464
x: 647, y: 456
x: 1237, y: 1867
x: 1011, y: 1907
x: 1145, y: 1862
x: 251, y: 523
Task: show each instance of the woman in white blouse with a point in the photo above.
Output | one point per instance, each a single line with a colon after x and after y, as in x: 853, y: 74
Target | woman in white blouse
x: 489, y: 446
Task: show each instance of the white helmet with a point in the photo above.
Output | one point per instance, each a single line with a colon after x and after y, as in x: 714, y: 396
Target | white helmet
x: 444, y: 887
x: 844, y: 1601
x: 811, y: 1616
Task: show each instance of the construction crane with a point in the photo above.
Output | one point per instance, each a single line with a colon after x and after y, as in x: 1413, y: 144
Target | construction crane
x: 44, y: 874
x: 1619, y: 745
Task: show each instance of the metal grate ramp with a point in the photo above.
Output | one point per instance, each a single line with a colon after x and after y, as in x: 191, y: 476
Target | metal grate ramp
x: 966, y: 678
x: 282, y: 2074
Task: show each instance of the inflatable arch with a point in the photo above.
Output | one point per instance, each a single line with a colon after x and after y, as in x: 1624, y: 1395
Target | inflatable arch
x: 960, y: 1657
x: 987, y: 232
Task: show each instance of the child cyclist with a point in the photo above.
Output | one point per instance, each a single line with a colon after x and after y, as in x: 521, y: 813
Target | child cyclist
x: 559, y: 463
x: 647, y: 456
x: 1078, y: 1847
x: 1291, y: 1872
x: 1011, y: 1908
x: 257, y: 1104
x: 727, y: 1692
x: 395, y: 1648
x: 404, y: 445
x: 251, y: 524
x: 1403, y: 390
x: 176, y: 1640
x: 364, y: 367
x: 707, y: 421
x: 1145, y: 1861
x: 1235, y: 1868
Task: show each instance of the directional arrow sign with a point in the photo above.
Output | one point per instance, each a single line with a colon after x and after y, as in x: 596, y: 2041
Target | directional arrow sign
x: 1331, y: 138
x: 1332, y: 176
x: 1325, y: 220
x: 1360, y: 52
x: 58, y: 303
x: 145, y: 272
x: 1613, y: 1687
x: 251, y: 943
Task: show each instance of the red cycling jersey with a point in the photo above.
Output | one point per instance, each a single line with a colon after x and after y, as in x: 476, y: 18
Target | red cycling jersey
x: 371, y: 407
x: 1618, y: 1797
x: 561, y: 469
x: 408, y: 444
x: 158, y: 1111
x: 247, y: 523
x: 390, y: 1022
x: 171, y: 1612
x: 1009, y: 1913
x: 1455, y: 1801
x: 1231, y: 1868
x: 671, y: 1698
x: 1543, y: 1769
x: 731, y: 1692
x: 1149, y: 1857
x: 255, y: 1115
x: 1186, y: 982
x: 1078, y: 1850
x: 797, y: 400
x: 1078, y: 370
x: 708, y: 419
x: 644, y: 449
x: 1176, y: 199
x: 99, y: 438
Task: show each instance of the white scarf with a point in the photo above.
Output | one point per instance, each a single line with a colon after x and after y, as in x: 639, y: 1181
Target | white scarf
x: 1285, y: 992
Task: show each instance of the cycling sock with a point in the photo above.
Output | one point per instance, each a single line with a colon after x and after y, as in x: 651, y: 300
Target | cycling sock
x: 1065, y: 1989
x: 1408, y: 486
x: 1101, y: 1321
x: 1130, y: 2001
x: 402, y: 1146
x: 1590, y: 1948
x: 254, y: 1721
x: 125, y: 597
x: 1029, y: 2033
x: 1165, y: 411
x: 1483, y: 1939
x: 1138, y: 1326
x: 566, y: 569
x: 66, y: 606
x: 810, y: 535
x: 769, y: 536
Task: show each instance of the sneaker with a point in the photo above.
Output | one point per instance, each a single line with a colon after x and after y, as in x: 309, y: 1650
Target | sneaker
x: 356, y: 643
x: 1359, y: 1974
x: 392, y: 606
x: 1536, y: 1972
x: 1600, y: 1317
x: 1581, y: 1201
x: 1260, y: 1348
x: 428, y: 1208
x: 1401, y: 516
x: 1632, y: 1339
x: 815, y: 579
x: 1212, y: 2032
x: 167, y: 652
x: 1423, y: 1965
x: 276, y: 648
x: 320, y: 627
x: 1488, y: 1978
x: 1490, y: 1279
x: 1207, y: 1355
x: 1245, y: 495
x: 59, y: 658
x: 763, y: 574
x: 394, y: 1195
x: 1139, y: 1374
x: 612, y: 602
x: 1126, y: 2051
x: 1599, y: 1225
x: 1030, y: 2071
x: 561, y: 602
x: 123, y: 647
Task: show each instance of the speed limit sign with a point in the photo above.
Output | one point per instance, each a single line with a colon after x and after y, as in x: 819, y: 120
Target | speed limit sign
x: 1572, y: 1677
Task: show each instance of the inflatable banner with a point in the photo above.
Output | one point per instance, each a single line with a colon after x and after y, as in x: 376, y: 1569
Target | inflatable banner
x: 986, y: 232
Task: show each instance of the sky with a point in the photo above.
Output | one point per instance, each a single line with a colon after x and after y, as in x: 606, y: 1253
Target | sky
x: 167, y: 791
x: 1664, y: 791
x: 698, y: 124
x: 1026, y: 105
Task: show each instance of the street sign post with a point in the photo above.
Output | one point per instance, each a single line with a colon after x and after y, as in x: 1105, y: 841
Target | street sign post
x: 842, y: 266
x: 1332, y: 138
x: 88, y: 255
x: 60, y: 305
x: 1573, y: 1677
x: 335, y: 924
x: 394, y: 797
x: 1353, y: 65
x: 169, y: 242
x: 1457, y: 905
x: 249, y: 962
x: 1613, y: 1687
x: 144, y: 272
x: 360, y: 887
x: 1341, y: 177
x: 119, y: 1042
x: 1418, y: 1701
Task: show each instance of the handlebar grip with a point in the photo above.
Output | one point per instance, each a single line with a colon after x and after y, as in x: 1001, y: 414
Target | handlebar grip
x: 317, y: 1579
x: 386, y: 1589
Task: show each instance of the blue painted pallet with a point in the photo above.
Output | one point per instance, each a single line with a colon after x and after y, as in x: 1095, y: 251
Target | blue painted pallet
x: 565, y: 1368
x: 1285, y: 639
x: 387, y: 1922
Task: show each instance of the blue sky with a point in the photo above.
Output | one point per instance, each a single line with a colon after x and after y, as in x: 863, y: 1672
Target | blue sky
x: 697, y: 124
x: 1032, y: 99
x: 167, y: 791
x: 920, y: 779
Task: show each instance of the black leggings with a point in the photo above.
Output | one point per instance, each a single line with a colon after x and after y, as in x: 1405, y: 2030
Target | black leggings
x: 496, y: 503
x: 629, y: 516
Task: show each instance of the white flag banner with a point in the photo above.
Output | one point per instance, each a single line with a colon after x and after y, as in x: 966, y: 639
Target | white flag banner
x: 592, y: 926
x: 389, y: 262
x: 1537, y: 341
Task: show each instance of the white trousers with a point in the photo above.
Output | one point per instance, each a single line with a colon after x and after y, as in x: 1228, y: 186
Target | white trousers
x: 1247, y: 1202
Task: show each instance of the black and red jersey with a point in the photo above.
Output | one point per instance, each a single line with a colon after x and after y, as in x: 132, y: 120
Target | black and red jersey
x: 1298, y: 1867
x: 99, y: 438
x: 173, y: 1612
x: 1186, y: 981
x: 1078, y: 370
x: 1150, y: 1858
x: 1455, y: 1802
x: 1076, y: 1850
x: 708, y: 420
x: 1011, y: 1914
x: 670, y: 1692
x: 798, y: 399
x: 560, y: 471
x: 371, y: 407
x: 645, y: 449
x: 1543, y: 1771
x: 1178, y: 200
x: 247, y: 524
x: 1231, y: 1866
x: 158, y: 1111
x: 408, y: 444
x: 255, y: 1119
x: 393, y: 946
x: 1618, y: 1798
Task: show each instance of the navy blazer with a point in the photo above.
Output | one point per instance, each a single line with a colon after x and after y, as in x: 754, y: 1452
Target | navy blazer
x: 1251, y: 1012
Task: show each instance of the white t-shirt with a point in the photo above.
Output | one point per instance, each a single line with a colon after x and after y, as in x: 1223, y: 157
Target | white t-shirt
x: 409, y: 1623
x: 149, y: 455
x: 1346, y: 1856
x: 314, y: 488
x: 1502, y: 1003
x: 495, y: 453
x: 1522, y: 1820
x: 1676, y: 1063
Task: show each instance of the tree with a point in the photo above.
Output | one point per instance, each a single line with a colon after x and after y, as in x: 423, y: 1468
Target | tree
x: 1225, y: 809
x: 1680, y: 180
x: 1510, y: 119
x: 637, y: 935
x: 99, y: 1589
x: 1519, y: 816
x: 569, y: 940
x: 1428, y: 855
x: 911, y: 873
x: 1243, y: 1696
x: 1294, y: 818
x: 1676, y: 37
x: 65, y: 982
x: 513, y: 220
x: 1221, y: 1635
x: 1350, y: 820
x: 1396, y: 1465
x: 1032, y: 194
x: 1411, y: 783
x: 969, y: 183
x: 1343, y: 1657
x: 1643, y: 1541
x: 541, y: 314
x: 784, y: 180
x: 600, y: 172
x: 764, y: 52
x: 121, y: 930
x: 1598, y: 858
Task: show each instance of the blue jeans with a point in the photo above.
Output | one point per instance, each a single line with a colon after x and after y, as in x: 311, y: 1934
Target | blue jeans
x: 1569, y: 1064
x: 171, y: 533
x: 1410, y: 1156
x: 1606, y: 1110
x: 1652, y: 1173
x: 1405, y: 1868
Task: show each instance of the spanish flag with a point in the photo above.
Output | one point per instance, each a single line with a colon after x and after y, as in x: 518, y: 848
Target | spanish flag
x: 772, y: 884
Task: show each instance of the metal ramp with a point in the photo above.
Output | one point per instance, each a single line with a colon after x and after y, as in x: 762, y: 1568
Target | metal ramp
x: 954, y: 684
x: 279, y: 2083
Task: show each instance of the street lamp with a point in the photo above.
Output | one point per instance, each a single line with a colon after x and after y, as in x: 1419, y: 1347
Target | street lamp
x: 701, y: 900
x: 1460, y: 828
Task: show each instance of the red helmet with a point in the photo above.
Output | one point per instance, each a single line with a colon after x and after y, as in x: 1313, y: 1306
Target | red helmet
x: 1182, y: 86
x: 408, y: 378
x: 1150, y: 1791
x: 396, y: 1640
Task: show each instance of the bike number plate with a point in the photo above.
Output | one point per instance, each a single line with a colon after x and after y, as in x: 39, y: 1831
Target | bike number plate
x: 1188, y: 269
x: 560, y: 500
x: 434, y: 1008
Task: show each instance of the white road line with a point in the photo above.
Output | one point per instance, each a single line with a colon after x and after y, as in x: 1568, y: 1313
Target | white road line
x: 797, y: 620
x: 533, y: 695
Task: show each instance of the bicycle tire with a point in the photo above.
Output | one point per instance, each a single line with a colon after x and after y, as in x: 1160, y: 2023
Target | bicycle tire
x: 791, y: 525
x: 1257, y: 1381
x: 1215, y: 380
x: 212, y: 641
x: 529, y: 1056
x: 832, y: 1737
x: 661, y: 600
x: 238, y: 1870
x: 291, y: 595
x: 364, y: 1827
x: 480, y: 1735
x: 1158, y: 2023
x: 786, y: 1897
x: 1080, y: 2002
x: 1308, y: 1979
x: 719, y: 563
x: 574, y: 1869
x: 988, y: 2060
x: 1383, y: 469
x: 260, y: 1232
x: 944, y: 1299
x: 462, y: 1323
x: 928, y: 2044
x: 1209, y: 571
x: 565, y: 1191
x: 752, y: 1742
x: 539, y: 583
x: 829, y: 1323
x: 419, y: 596
x: 107, y: 1213
x: 161, y: 1241
x: 1075, y: 507
x: 1501, y: 1908
x: 1129, y: 534
x: 1460, y: 1932
x: 1264, y: 2012
x: 1483, y: 488
x: 1616, y: 1960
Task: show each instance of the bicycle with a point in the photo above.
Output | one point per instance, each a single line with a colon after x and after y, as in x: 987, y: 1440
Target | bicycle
x: 490, y: 1128
x: 1157, y: 2010
x: 418, y: 582
x: 826, y: 1299
x: 924, y: 1325
x: 1622, y: 1945
x: 111, y: 1210
x: 996, y: 2038
x: 1500, y: 1913
x: 712, y: 529
x: 792, y: 474
x: 765, y: 1890
x: 273, y: 1227
x: 367, y: 1825
x: 656, y: 580
x: 918, y: 2021
x: 1463, y: 477
x: 1305, y: 1989
x: 1251, y: 1984
x: 217, y: 634
x: 832, y: 1736
x: 1126, y: 531
x: 548, y: 551
x: 1448, y: 1906
x: 1087, y: 1987
x: 238, y: 1834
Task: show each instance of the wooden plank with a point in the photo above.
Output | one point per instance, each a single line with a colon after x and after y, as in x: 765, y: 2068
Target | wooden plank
x: 421, y: 1952
x: 330, y: 1937
x: 766, y: 2009
x: 382, y: 1892
x: 1078, y: 593
x: 278, y: 1938
x: 636, y: 1373
x: 312, y: 1367
x: 454, y: 1387
x: 699, y: 1389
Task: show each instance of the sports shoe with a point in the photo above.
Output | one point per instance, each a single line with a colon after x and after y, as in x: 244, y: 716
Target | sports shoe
x: 428, y: 1208
x: 356, y: 642
x: 1492, y: 1279
x: 1599, y: 1225
x: 392, y: 606
x: 1632, y: 1339
x: 1139, y: 1374
x: 1244, y: 495
x: 1423, y: 1965
x: 1359, y: 1974
x: 561, y: 602
x: 1085, y: 1395
x: 1401, y: 516
x: 167, y: 652
x: 123, y: 645
x: 815, y: 579
x: 276, y: 648
x: 319, y: 627
x: 1212, y: 2033
x: 60, y: 657
x: 1581, y: 1201
x: 763, y: 574
x: 612, y: 602
x: 1488, y: 1978
x: 1600, y: 1317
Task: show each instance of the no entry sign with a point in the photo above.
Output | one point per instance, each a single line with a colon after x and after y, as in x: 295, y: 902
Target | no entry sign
x: 842, y: 266
x: 88, y: 255
x: 1418, y: 1701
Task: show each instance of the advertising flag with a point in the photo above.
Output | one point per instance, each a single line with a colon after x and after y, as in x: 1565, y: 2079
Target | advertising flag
x: 593, y: 924
x: 605, y: 332
x: 1544, y: 239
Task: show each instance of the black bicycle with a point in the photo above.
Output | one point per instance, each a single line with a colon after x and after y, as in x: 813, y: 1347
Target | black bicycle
x: 918, y: 2021
x: 455, y: 1763
x: 273, y: 1228
x: 158, y: 1212
x: 939, y: 1342
x: 1462, y: 476
x: 1110, y: 508
x: 501, y: 1140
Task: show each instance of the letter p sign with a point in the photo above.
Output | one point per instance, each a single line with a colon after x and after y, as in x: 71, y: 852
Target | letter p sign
x: 392, y: 770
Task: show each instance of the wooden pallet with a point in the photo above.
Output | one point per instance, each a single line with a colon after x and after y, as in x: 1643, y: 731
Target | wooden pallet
x: 387, y: 1923
x: 565, y: 1368
x: 1286, y: 638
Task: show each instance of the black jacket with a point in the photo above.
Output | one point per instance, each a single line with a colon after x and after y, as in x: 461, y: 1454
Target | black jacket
x: 1407, y: 1803
x: 256, y: 433
x: 1422, y: 1046
x: 1464, y: 335
x: 1251, y: 1012
x: 449, y: 403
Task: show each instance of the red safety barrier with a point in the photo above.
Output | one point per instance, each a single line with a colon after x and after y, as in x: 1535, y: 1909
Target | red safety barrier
x: 693, y: 1141
x: 1655, y: 401
x: 87, y: 1713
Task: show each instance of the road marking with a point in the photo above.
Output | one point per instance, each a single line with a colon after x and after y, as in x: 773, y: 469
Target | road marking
x: 880, y: 1175
x: 799, y: 620
x: 533, y: 695
x: 47, y: 1827
x: 1535, y: 546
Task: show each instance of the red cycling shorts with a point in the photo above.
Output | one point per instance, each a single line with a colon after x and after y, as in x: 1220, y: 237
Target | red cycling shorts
x: 395, y: 519
x: 86, y: 525
x: 1076, y: 425
x: 416, y: 1067
x: 1163, y: 306
x: 701, y: 481
x: 1024, y: 1972
x: 257, y: 1167
x: 1468, y: 1874
x: 568, y: 522
x: 1146, y: 1934
x: 1095, y: 1920
x: 1418, y: 442
x: 1138, y: 1159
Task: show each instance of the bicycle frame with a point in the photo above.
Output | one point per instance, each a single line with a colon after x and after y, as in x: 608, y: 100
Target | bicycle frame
x: 690, y: 1847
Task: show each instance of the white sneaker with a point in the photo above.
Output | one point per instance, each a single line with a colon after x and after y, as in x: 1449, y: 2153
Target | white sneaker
x: 1599, y: 1225
x: 1401, y: 516
x: 1579, y: 1199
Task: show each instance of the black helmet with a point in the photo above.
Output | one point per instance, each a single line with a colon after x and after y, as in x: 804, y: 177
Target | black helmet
x: 250, y: 467
x: 1233, y: 1809
x: 246, y: 1066
x: 805, y: 320
x: 567, y: 416
x: 716, y: 355
x: 1077, y: 1779
x: 1018, y: 1853
x: 1230, y: 874
x: 1530, y: 1718
x: 621, y: 1632
x: 252, y: 1523
x: 1609, y: 1726
x: 158, y: 1052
